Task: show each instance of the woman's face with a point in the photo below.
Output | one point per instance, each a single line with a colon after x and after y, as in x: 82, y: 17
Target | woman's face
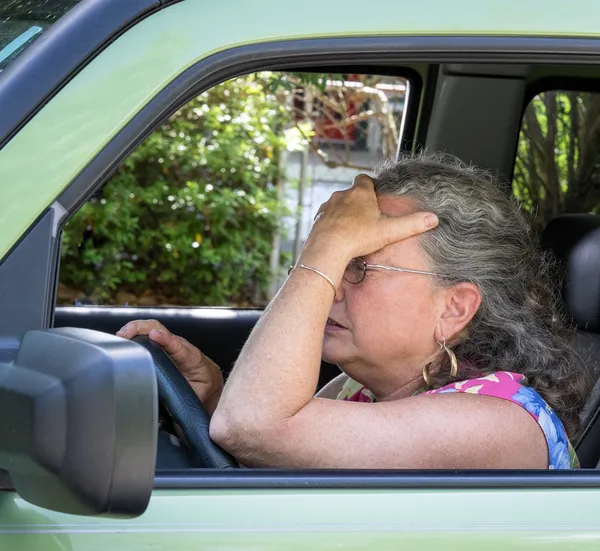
x: 389, y: 319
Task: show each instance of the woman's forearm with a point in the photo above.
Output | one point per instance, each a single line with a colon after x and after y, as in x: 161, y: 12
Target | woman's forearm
x: 276, y: 374
x: 277, y: 371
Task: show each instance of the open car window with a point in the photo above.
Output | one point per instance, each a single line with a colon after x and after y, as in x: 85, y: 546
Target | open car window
x: 216, y: 204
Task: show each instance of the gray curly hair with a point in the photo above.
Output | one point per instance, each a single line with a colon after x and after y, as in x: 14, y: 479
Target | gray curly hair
x: 484, y: 238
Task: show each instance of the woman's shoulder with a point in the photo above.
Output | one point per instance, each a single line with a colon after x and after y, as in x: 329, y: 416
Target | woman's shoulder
x: 506, y: 385
x: 514, y: 388
x: 503, y: 384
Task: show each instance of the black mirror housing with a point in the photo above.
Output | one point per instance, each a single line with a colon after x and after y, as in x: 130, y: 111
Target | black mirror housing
x: 78, y: 422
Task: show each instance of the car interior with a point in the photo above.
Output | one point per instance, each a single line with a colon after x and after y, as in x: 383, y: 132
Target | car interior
x: 476, y: 112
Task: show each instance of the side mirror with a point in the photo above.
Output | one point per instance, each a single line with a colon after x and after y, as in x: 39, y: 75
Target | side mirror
x: 78, y: 422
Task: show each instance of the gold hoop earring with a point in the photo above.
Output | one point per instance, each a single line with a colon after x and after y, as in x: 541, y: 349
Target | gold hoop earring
x: 451, y: 355
x: 426, y: 376
x: 453, y: 363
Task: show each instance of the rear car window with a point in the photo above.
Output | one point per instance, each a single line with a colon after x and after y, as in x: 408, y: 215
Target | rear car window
x: 557, y: 169
x: 24, y: 21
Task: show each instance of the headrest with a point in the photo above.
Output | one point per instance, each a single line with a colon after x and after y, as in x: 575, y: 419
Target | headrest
x: 575, y: 240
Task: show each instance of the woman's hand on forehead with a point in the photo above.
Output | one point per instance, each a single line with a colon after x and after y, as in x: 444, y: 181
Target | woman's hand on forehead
x: 351, y: 221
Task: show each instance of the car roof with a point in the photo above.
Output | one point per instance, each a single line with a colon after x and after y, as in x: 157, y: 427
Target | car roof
x: 135, y: 53
x: 92, y: 24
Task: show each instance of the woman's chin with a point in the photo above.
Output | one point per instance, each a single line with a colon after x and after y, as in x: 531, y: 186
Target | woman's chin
x: 334, y: 352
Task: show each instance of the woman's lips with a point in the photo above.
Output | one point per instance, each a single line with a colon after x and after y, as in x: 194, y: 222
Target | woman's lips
x: 333, y: 325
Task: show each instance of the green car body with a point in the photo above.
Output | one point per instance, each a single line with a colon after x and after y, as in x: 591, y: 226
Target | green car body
x: 319, y: 519
x: 94, y: 106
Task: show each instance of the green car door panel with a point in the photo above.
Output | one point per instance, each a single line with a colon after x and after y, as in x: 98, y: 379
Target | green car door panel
x: 71, y: 131
x: 52, y: 60
x: 319, y: 520
x: 41, y: 160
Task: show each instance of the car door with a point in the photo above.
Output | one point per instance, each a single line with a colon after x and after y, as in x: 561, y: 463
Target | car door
x: 55, y: 160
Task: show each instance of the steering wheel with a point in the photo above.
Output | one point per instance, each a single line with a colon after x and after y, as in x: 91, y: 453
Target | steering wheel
x: 185, y: 408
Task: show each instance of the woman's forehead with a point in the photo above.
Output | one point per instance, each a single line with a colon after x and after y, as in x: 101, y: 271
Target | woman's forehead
x: 404, y: 251
x: 403, y: 254
x: 393, y: 205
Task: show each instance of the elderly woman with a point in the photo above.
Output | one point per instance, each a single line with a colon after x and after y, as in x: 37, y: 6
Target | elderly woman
x: 425, y: 286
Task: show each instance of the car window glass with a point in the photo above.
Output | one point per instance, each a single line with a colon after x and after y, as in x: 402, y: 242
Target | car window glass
x: 214, y: 206
x: 23, y: 21
x: 557, y: 168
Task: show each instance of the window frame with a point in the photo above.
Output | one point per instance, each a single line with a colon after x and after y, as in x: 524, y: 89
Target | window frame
x: 334, y: 479
x: 558, y: 83
x: 406, y: 131
x: 52, y: 62
x: 321, y: 53
x: 225, y: 66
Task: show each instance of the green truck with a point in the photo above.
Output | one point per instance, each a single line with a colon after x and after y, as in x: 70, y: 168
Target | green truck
x: 85, y: 459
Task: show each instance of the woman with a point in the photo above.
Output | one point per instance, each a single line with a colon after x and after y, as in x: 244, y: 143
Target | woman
x: 426, y: 287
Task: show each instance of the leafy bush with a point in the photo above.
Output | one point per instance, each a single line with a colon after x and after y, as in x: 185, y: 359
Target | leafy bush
x: 189, y: 218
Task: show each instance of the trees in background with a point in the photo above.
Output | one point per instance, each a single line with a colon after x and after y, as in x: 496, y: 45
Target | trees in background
x: 558, y: 157
x: 189, y: 217
x: 194, y: 216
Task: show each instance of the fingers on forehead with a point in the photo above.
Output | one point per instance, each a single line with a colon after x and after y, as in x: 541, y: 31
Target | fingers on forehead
x: 363, y: 180
x: 416, y: 223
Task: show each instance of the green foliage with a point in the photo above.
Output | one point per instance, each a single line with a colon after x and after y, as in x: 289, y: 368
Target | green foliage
x: 289, y: 81
x: 189, y: 218
x: 558, y: 155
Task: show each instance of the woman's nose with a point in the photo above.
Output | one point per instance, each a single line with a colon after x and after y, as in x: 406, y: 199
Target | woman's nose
x: 339, y: 295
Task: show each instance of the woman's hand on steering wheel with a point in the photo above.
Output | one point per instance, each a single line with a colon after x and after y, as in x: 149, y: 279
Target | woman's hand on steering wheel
x: 203, y: 375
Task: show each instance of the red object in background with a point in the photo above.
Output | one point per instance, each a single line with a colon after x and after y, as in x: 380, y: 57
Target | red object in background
x: 327, y: 125
x: 327, y: 129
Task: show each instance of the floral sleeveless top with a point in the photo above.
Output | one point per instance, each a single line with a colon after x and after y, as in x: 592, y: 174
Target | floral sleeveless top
x: 508, y: 386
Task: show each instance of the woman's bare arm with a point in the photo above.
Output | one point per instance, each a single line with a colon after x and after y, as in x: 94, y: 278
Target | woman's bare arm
x: 276, y: 374
x: 268, y: 415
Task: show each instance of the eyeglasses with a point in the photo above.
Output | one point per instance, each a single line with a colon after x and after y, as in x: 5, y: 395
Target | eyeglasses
x: 356, y: 270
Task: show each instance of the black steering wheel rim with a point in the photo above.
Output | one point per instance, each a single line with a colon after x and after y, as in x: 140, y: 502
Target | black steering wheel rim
x: 185, y: 408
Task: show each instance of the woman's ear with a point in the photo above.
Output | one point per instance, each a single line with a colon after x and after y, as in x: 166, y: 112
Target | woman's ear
x: 460, y: 303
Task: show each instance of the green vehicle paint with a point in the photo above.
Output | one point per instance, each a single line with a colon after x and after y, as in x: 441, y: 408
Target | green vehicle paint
x: 411, y: 520
x: 45, y: 156
x: 68, y: 132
